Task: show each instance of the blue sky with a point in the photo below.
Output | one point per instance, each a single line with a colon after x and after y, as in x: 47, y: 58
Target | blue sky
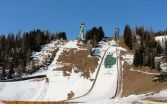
x: 66, y: 15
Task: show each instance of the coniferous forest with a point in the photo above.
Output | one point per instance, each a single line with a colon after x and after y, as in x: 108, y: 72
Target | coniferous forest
x: 95, y: 34
x: 16, y: 49
x: 142, y: 42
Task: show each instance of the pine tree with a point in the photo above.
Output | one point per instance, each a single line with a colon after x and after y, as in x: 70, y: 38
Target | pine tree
x: 140, y: 31
x: 16, y: 49
x: 95, y: 41
x: 11, y: 72
x: 158, y: 67
x: 3, y: 74
x: 95, y: 34
x: 101, y: 32
x: 18, y: 40
x: 128, y: 36
x: 159, y: 48
x: 141, y: 56
x: 88, y: 35
x: 166, y: 51
x: 153, y: 62
x: 62, y: 35
x: 136, y: 58
x: 37, y: 40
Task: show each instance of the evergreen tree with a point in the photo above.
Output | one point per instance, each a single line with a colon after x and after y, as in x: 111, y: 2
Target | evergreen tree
x: 128, y: 36
x: 11, y: 72
x: 95, y: 34
x: 149, y: 60
x: 3, y: 74
x: 16, y: 49
x: 88, y: 35
x: 62, y: 35
x: 158, y: 67
x: 159, y: 48
x: 101, y: 32
x: 153, y: 62
x: 95, y: 41
x: 166, y: 51
x: 140, y: 55
x: 140, y: 31
x: 136, y: 58
x: 18, y: 40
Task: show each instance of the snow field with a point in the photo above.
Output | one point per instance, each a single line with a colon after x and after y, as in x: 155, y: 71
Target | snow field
x: 59, y: 86
x: 128, y: 58
x: 20, y: 90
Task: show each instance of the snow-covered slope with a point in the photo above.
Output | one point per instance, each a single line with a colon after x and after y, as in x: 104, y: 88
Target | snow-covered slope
x: 105, y: 86
x: 20, y: 90
x: 62, y: 85
x: 40, y: 59
x: 71, y: 44
x: 57, y: 87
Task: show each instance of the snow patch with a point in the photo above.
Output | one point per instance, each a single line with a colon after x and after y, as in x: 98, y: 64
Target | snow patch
x: 144, y: 72
x: 162, y: 95
x: 124, y: 100
x: 161, y: 38
x: 122, y: 49
x: 98, y: 52
x: 128, y: 58
x: 131, y: 99
x: 71, y: 44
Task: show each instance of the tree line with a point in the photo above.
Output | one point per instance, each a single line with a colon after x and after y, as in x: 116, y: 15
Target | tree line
x: 95, y: 35
x: 16, y: 49
x: 146, y: 48
x: 161, y: 32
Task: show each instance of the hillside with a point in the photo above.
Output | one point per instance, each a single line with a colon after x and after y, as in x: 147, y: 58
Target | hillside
x: 75, y: 76
x: 142, y: 78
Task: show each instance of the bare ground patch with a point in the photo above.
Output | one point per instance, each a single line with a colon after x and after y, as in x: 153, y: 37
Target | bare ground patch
x: 139, y: 83
x: 79, y: 61
x: 136, y: 82
x: 70, y: 95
